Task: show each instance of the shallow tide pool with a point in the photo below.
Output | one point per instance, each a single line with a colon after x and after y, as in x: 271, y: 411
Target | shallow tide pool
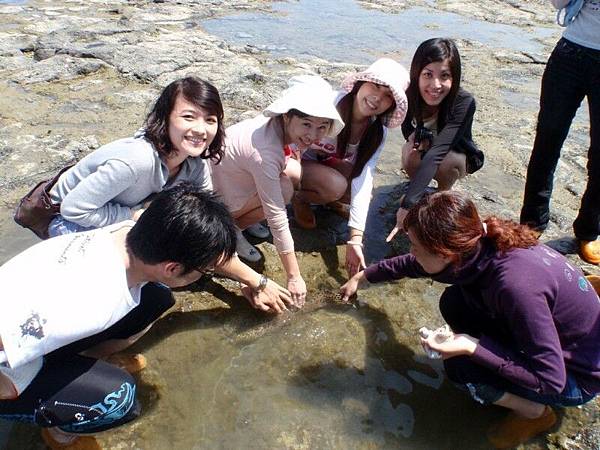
x: 343, y: 31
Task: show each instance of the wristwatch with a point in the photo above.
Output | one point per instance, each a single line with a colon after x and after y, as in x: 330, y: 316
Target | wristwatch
x: 262, y: 284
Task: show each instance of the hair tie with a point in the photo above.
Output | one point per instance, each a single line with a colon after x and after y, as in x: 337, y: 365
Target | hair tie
x: 484, y: 228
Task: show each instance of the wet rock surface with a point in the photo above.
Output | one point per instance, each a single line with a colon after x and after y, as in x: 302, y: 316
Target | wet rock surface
x: 75, y: 75
x: 512, y: 12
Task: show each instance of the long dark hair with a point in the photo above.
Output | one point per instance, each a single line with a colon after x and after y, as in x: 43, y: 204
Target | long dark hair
x: 447, y: 224
x: 370, y: 141
x: 200, y: 93
x: 433, y: 50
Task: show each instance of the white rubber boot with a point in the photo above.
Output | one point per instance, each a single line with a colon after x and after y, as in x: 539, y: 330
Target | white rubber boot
x: 245, y: 249
x: 258, y: 230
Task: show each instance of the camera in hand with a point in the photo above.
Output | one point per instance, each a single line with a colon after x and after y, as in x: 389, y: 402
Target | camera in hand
x: 422, y: 134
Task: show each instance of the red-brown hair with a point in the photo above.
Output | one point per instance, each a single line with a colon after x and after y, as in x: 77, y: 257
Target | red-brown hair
x: 447, y: 224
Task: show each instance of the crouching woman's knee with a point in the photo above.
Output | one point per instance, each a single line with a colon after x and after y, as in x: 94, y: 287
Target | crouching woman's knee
x: 483, y: 386
x: 287, y: 189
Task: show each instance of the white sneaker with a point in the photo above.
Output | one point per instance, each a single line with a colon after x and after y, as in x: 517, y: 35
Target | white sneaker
x: 245, y: 249
x: 258, y: 230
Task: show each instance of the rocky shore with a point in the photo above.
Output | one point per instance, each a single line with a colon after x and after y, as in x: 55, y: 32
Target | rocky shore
x: 77, y: 74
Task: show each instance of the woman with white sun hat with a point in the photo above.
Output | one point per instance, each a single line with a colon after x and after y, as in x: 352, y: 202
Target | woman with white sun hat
x: 260, y: 168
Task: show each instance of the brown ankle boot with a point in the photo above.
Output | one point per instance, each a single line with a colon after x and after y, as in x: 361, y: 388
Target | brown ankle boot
x: 130, y: 363
x: 514, y: 429
x: 78, y: 443
x: 303, y: 214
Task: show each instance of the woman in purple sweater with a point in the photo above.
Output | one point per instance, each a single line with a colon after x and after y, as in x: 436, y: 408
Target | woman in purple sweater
x: 526, y: 322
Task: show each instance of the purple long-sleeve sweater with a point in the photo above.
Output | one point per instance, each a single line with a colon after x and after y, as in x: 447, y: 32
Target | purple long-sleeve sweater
x: 549, y: 310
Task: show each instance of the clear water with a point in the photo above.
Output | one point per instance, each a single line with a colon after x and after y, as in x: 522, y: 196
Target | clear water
x: 343, y: 31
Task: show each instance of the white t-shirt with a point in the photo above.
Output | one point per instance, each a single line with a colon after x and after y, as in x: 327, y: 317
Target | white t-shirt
x: 62, y: 290
x: 362, y: 185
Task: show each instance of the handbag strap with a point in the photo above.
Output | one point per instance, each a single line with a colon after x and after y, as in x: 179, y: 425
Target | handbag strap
x: 54, y: 179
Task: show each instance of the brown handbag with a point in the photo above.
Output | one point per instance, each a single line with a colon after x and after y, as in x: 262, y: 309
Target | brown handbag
x: 35, y: 211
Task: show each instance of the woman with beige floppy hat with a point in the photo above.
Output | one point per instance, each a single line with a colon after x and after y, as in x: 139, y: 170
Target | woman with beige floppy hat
x: 339, y: 170
x: 260, y: 168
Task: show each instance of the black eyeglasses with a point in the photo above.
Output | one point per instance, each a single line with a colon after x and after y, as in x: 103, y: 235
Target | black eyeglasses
x: 208, y: 271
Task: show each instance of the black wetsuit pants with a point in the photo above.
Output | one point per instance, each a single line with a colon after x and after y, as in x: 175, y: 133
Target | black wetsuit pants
x: 81, y: 394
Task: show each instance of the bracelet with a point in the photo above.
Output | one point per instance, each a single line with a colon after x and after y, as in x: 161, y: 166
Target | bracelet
x: 358, y: 244
x: 262, y: 284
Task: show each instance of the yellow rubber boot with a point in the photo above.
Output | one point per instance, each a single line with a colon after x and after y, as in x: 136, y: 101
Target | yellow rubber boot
x: 130, y: 363
x: 78, y: 443
x: 514, y: 429
x: 595, y: 282
x: 590, y: 251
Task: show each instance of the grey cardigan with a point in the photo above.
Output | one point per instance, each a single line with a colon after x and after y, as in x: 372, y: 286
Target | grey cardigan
x: 104, y: 186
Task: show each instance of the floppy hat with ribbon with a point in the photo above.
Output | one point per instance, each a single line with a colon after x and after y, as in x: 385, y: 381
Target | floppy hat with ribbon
x: 311, y: 95
x: 389, y: 73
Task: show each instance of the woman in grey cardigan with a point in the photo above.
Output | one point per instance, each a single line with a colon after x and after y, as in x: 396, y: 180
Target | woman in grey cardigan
x: 109, y: 185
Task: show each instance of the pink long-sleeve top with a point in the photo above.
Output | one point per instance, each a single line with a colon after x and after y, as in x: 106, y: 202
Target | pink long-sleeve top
x: 253, y: 163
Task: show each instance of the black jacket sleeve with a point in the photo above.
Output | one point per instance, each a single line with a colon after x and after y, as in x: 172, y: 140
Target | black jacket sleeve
x: 457, y: 128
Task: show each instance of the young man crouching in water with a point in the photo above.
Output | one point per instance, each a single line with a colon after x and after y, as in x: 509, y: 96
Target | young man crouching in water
x: 72, y: 300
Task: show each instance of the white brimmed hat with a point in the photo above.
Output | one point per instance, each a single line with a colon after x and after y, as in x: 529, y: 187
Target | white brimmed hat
x: 311, y: 95
x: 389, y: 73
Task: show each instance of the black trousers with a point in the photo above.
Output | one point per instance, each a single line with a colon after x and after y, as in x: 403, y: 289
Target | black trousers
x: 572, y: 73
x: 81, y: 394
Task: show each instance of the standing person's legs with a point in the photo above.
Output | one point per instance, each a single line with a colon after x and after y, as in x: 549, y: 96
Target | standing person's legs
x: 587, y: 224
x: 561, y: 94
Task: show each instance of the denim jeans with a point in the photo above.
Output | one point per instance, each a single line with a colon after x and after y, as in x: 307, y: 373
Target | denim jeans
x: 572, y: 73
x: 572, y: 394
x: 59, y: 226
